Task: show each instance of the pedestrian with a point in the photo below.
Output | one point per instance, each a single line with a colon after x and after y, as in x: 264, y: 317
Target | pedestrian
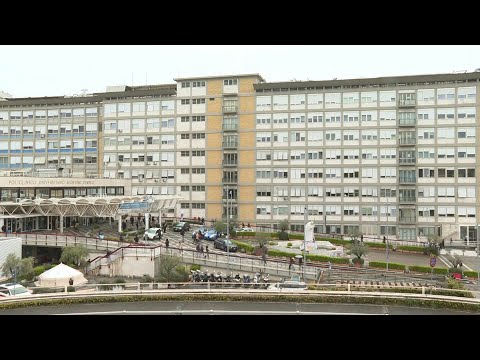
x: 264, y: 257
x: 384, y: 239
x: 70, y: 281
x: 243, y: 225
x: 164, y: 228
x: 207, y: 252
x: 167, y: 243
x: 181, y: 216
x: 451, y: 241
x: 135, y: 238
x: 198, y: 248
x: 203, y: 221
x: 136, y: 224
x: 182, y: 232
x: 4, y: 229
x: 201, y: 251
x: 290, y: 265
x: 361, y: 238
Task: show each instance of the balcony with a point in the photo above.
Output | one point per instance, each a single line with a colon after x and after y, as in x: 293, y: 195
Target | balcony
x: 407, y: 122
x: 407, y: 141
x: 229, y: 144
x: 407, y: 200
x: 230, y: 109
x: 230, y: 162
x: 403, y: 180
x: 407, y: 102
x: 407, y: 220
x: 230, y: 127
x: 230, y: 180
x: 407, y: 161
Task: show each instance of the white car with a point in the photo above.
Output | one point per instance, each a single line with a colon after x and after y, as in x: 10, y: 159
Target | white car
x: 246, y: 229
x: 153, y: 234
x: 7, y: 290
x: 288, y: 285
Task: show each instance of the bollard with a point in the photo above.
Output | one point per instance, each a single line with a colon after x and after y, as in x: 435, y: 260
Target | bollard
x: 348, y: 287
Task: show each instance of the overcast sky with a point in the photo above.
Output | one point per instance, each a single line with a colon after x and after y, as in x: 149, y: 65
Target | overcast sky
x: 65, y: 70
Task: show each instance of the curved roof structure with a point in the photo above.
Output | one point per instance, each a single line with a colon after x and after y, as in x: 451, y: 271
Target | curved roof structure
x: 85, y: 206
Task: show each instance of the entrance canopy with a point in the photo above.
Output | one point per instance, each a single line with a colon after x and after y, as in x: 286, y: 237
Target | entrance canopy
x: 84, y: 206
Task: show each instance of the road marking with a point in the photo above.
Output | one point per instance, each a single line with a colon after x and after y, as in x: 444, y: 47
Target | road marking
x: 467, y: 267
x: 445, y: 261
x: 211, y: 312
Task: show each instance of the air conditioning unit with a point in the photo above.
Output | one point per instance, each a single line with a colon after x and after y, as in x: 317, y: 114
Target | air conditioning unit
x: 149, y: 163
x: 157, y: 180
x: 155, y: 163
x: 140, y: 180
x: 120, y: 130
x: 285, y: 198
x: 42, y: 135
x: 17, y: 200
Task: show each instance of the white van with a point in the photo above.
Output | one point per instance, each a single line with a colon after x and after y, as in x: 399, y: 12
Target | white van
x: 289, y: 285
x: 14, y: 290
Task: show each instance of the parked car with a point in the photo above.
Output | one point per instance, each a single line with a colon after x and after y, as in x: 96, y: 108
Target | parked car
x: 222, y: 244
x: 202, y: 230
x: 153, y: 234
x: 211, y: 235
x: 288, y: 285
x: 182, y: 225
x: 14, y: 290
x: 246, y: 229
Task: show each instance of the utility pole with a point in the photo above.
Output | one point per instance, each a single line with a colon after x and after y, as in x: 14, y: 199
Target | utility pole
x: 228, y: 233
x: 387, y: 234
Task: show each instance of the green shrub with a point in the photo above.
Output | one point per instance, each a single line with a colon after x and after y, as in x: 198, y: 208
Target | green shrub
x: 473, y: 274
x: 273, y: 243
x: 119, y: 281
x: 335, y: 241
x: 289, y: 244
x: 383, y: 265
x: 418, y: 249
x: 279, y: 253
x: 295, y: 236
x: 283, y: 235
x: 147, y: 278
x: 246, y: 247
x: 47, y: 290
x: 246, y: 233
x: 378, y: 245
x: 71, y: 289
x: 323, y: 258
x: 39, y: 270
x: 195, y: 267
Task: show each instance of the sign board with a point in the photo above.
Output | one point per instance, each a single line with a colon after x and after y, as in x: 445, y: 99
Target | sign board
x: 433, y: 261
x: 137, y: 206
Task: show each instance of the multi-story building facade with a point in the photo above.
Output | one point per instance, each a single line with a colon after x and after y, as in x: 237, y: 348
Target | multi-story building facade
x: 355, y: 154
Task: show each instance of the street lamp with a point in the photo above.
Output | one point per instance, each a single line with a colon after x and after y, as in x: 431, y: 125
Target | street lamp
x: 478, y: 256
x: 228, y: 233
x: 305, y: 219
x: 386, y: 204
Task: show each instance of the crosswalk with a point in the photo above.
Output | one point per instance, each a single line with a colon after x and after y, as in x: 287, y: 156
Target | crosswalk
x: 378, y: 284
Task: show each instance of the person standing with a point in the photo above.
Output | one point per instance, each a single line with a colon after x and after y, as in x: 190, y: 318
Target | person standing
x: 264, y: 256
x: 167, y: 243
x: 207, y: 252
x: 4, y: 229
x: 290, y: 265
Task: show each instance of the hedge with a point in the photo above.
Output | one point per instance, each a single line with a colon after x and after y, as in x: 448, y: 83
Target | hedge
x: 377, y: 245
x: 428, y: 269
x: 335, y: 241
x: 425, y: 303
x: 241, y: 245
x: 383, y: 265
x: 322, y: 258
x: 473, y: 274
x: 410, y: 248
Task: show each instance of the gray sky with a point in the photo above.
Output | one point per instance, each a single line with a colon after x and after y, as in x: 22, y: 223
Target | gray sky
x: 65, y: 70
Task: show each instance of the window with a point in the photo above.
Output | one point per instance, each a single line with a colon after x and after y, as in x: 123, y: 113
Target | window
x: 198, y: 170
x: 230, y: 82
x: 185, y: 84
x: 198, y: 153
x: 198, y: 101
x: 198, y: 84
x: 198, y: 136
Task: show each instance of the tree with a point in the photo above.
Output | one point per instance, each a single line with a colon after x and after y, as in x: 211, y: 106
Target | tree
x: 355, y: 234
x: 433, y: 245
x: 358, y: 249
x: 171, y: 270
x: 262, y: 238
x: 221, y: 226
x: 283, y: 226
x: 75, y: 256
x: 23, y: 267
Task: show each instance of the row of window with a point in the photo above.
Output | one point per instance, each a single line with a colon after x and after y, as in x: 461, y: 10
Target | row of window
x: 354, y: 210
x: 370, y: 98
x: 285, y: 192
x: 48, y: 114
x: 350, y: 117
x: 365, y: 173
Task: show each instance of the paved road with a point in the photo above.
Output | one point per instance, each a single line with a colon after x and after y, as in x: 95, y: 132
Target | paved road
x: 224, y: 308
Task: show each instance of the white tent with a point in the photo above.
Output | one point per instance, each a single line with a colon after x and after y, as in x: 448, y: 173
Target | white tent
x: 60, y: 275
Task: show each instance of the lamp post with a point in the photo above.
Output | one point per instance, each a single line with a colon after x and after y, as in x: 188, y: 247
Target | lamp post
x: 478, y: 257
x: 228, y: 233
x: 386, y: 204
x: 305, y: 220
